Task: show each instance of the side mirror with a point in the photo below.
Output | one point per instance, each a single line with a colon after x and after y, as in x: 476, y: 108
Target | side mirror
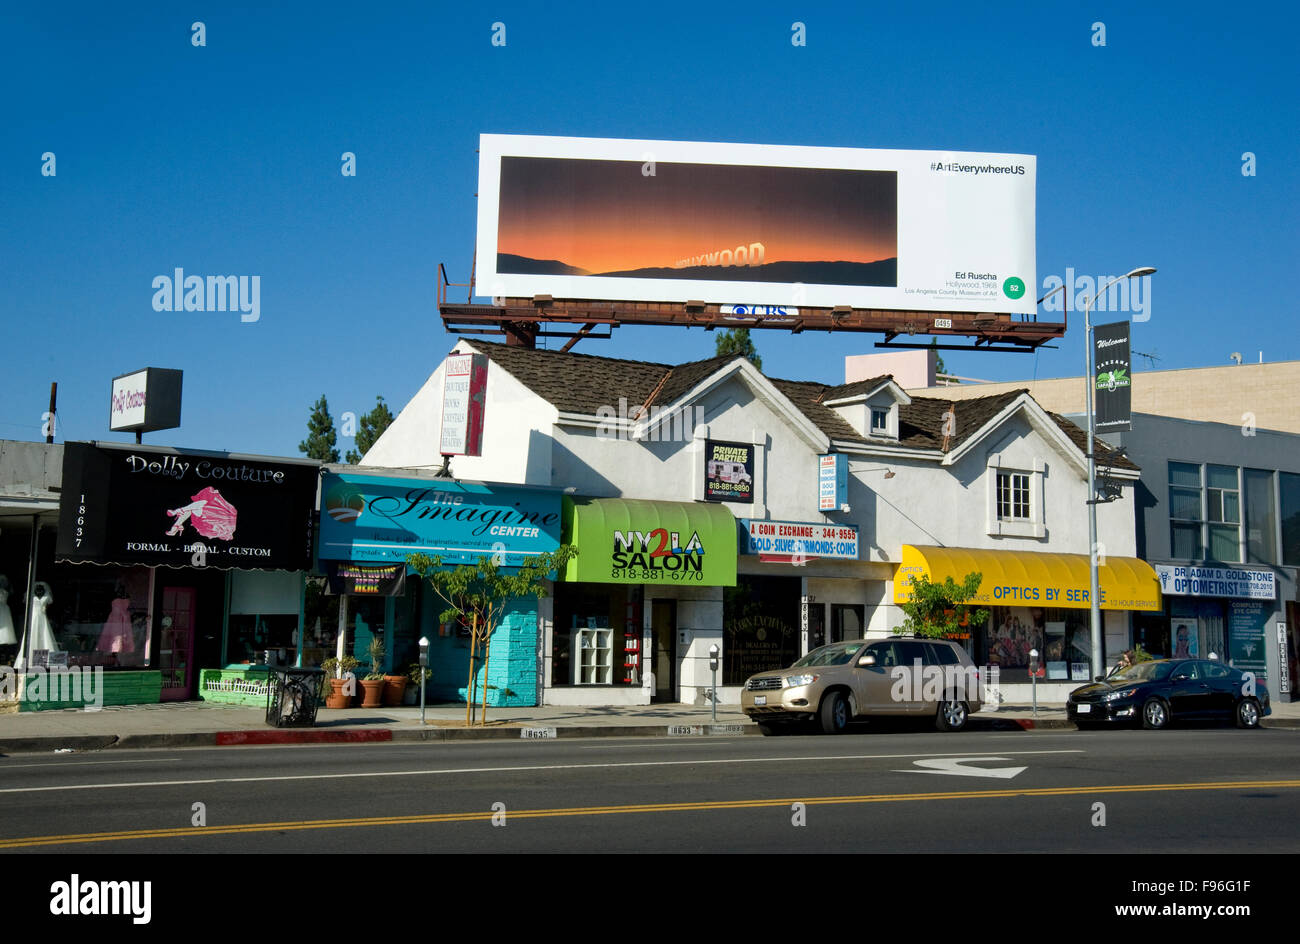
x: 868, y: 659
x: 1100, y: 678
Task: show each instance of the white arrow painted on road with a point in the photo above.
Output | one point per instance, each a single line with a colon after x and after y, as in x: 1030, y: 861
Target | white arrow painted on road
x: 953, y: 766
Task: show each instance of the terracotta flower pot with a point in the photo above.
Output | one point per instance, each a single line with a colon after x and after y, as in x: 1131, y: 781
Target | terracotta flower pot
x: 336, y: 698
x: 394, y: 689
x: 374, y: 693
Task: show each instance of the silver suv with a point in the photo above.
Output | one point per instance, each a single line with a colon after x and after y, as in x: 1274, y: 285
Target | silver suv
x: 902, y: 676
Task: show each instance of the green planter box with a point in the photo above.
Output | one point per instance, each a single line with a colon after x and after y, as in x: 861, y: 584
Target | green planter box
x: 235, y: 686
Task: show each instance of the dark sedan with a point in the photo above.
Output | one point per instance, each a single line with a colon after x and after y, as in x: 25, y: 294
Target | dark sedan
x: 1157, y: 693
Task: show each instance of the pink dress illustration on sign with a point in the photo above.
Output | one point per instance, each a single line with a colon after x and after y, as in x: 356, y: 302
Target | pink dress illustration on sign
x: 117, y: 635
x: 211, y: 515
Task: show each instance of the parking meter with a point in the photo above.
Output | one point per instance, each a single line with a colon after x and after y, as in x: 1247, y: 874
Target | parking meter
x: 1033, y: 677
x: 424, y: 662
x: 714, y: 652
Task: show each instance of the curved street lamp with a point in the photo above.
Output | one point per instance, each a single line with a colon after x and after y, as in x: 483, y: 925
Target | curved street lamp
x: 1090, y: 379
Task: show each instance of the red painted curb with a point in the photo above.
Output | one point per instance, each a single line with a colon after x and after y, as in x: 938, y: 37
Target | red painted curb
x: 1026, y: 724
x: 302, y: 737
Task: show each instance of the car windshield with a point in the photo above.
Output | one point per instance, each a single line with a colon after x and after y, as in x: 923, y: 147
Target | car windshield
x: 1142, y: 672
x: 838, y: 654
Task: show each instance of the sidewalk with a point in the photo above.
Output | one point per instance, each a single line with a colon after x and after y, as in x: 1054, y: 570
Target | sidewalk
x: 206, y: 724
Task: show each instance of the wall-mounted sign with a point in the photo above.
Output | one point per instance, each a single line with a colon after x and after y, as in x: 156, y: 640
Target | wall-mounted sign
x: 377, y: 519
x: 800, y: 539
x: 145, y: 401
x: 622, y: 540
x: 464, y: 392
x: 132, y: 505
x: 1284, y: 669
x: 832, y: 482
x: 728, y: 471
x: 675, y: 220
x: 1114, y: 380
x: 1247, y: 637
x: 1181, y: 580
x: 373, y: 580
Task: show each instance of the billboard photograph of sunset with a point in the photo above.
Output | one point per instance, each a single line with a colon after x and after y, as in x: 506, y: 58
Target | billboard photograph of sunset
x: 699, y: 221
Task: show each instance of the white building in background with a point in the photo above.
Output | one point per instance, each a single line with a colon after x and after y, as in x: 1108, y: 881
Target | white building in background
x: 994, y: 484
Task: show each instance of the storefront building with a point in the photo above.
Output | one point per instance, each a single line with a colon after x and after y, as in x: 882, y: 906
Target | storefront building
x: 1220, y: 524
x: 370, y: 524
x: 168, y: 569
x: 646, y: 587
x: 826, y: 484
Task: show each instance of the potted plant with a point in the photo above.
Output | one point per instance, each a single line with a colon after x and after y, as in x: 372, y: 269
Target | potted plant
x: 335, y: 670
x: 416, y: 675
x: 373, y: 684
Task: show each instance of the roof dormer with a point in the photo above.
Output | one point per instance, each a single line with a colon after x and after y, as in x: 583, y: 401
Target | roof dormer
x: 869, y: 406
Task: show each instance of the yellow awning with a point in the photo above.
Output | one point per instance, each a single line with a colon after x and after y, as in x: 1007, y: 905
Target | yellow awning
x: 1028, y: 578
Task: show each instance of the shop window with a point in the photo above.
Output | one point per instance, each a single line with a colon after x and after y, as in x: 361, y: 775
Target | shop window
x: 760, y: 618
x: 1061, y: 636
x: 596, y: 636
x: 95, y: 616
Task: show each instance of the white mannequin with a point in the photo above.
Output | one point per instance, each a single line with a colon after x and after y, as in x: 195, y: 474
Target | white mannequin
x: 7, y: 635
x: 39, y: 633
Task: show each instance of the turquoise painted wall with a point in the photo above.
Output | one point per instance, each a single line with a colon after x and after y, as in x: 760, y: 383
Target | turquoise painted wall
x: 512, y: 668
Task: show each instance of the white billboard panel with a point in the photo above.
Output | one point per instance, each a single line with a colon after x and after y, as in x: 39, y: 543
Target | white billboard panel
x: 750, y: 224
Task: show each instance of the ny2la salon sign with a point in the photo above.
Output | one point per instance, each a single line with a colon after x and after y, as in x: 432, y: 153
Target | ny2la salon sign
x: 130, y: 505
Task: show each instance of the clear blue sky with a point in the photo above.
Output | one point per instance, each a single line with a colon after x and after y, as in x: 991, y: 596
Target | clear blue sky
x: 225, y: 160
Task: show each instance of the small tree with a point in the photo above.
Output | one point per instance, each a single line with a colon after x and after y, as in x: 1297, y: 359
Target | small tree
x: 738, y: 341
x: 938, y: 609
x: 320, y: 440
x: 478, y: 594
x: 369, y: 428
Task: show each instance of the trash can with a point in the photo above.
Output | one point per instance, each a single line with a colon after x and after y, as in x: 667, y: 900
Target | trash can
x: 293, y: 696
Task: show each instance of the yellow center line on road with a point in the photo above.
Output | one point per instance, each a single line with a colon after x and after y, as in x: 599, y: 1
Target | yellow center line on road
x: 702, y: 806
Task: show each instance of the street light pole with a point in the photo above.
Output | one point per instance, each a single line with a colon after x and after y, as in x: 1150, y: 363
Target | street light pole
x: 1090, y: 379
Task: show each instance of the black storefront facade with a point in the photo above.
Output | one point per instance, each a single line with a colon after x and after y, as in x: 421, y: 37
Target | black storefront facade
x: 168, y: 564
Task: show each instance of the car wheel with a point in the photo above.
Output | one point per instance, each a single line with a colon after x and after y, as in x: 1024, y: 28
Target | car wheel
x: 951, y: 716
x: 835, y: 713
x: 1155, y: 713
x: 1248, y: 713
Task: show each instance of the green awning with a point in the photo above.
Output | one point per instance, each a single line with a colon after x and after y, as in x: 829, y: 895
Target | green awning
x: 625, y: 540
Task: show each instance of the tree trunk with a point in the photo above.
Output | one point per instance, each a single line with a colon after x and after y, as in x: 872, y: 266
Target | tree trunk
x: 487, y: 659
x: 469, y: 685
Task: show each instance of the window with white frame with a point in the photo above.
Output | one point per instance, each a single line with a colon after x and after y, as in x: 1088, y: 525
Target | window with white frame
x: 1013, y: 496
x: 879, y: 421
x: 1016, y: 507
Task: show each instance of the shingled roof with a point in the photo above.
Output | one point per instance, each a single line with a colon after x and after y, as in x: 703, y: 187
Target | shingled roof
x: 583, y: 383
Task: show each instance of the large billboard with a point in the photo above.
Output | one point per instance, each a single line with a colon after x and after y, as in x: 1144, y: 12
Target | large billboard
x: 749, y: 224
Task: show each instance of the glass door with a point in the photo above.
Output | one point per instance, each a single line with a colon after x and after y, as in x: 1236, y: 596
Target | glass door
x: 176, y: 642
